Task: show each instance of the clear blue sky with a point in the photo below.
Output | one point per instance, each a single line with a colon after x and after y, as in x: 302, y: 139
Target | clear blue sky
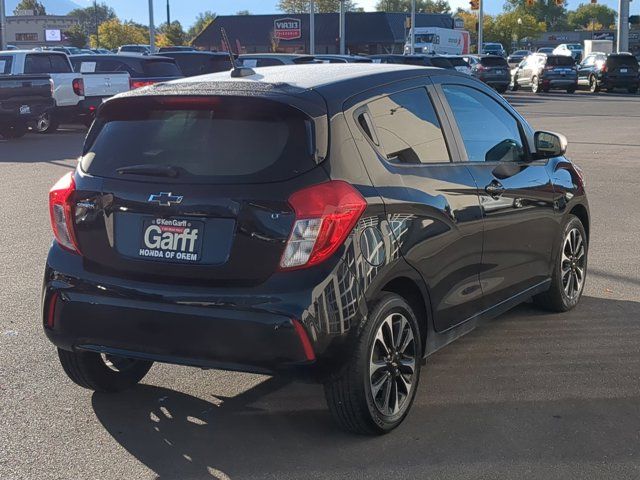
x: 186, y: 10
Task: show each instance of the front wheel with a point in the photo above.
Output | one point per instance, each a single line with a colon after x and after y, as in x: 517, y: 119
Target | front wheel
x: 375, y: 390
x: 571, y: 90
x: 502, y: 89
x: 46, y: 123
x: 535, y: 86
x: 103, y: 373
x: 16, y: 130
x: 569, y: 270
x: 632, y: 89
x: 593, y: 84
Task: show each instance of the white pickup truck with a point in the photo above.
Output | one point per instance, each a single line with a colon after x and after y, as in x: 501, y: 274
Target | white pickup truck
x: 71, y: 90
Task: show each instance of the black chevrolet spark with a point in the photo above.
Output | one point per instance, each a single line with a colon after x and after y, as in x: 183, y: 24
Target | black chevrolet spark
x: 334, y: 222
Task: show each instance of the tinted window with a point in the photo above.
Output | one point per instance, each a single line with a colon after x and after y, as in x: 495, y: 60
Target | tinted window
x: 42, y: 63
x: 264, y: 62
x: 194, y: 64
x: 457, y: 61
x: 5, y: 64
x: 407, y: 128
x: 560, y: 61
x: 161, y: 68
x: 441, y: 62
x: 615, y: 61
x: 240, y: 140
x: 493, y: 62
x: 488, y: 131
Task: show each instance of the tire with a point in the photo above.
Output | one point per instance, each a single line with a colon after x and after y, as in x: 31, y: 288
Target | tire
x: 569, y: 266
x: 91, y: 370
x: 632, y: 90
x: 535, y: 86
x: 17, y: 130
x: 502, y: 89
x: 514, y: 85
x: 593, y: 84
x: 571, y: 90
x: 375, y: 401
x: 46, y: 123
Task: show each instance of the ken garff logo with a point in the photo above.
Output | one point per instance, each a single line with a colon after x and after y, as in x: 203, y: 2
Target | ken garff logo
x: 165, y: 199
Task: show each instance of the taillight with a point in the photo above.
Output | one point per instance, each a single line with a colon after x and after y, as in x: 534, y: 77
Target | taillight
x: 133, y: 84
x: 51, y: 311
x: 603, y: 69
x: 61, y: 212
x: 325, y: 215
x: 78, y: 87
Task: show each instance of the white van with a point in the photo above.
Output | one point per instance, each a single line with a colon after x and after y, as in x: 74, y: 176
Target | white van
x: 436, y: 40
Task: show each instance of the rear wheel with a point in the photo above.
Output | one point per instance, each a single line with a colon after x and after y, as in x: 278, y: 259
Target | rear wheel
x: 535, y: 86
x: 514, y: 84
x: 103, y: 373
x: 633, y: 90
x: 16, y: 130
x: 571, y: 90
x: 502, y: 89
x: 593, y: 84
x: 46, y: 123
x: 375, y: 390
x: 569, y: 270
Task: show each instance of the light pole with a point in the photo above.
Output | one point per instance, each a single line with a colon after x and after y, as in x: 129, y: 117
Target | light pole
x: 412, y: 32
x: 519, y: 34
x: 480, y: 20
x: 3, y: 27
x: 168, y: 13
x: 312, y: 27
x: 152, y: 29
x: 95, y: 14
x: 342, y: 27
x: 623, y: 25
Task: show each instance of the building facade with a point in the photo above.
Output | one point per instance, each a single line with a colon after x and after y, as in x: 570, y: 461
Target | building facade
x: 367, y: 32
x: 30, y: 31
x: 552, y: 39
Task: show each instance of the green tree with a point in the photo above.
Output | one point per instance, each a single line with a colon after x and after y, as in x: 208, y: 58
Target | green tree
x: 505, y: 28
x: 35, y: 5
x: 582, y: 17
x: 114, y: 33
x: 202, y: 21
x: 555, y: 16
x: 89, y: 16
x: 322, y: 6
x: 172, y: 34
x: 422, y: 6
x: 76, y: 36
x: 243, y: 12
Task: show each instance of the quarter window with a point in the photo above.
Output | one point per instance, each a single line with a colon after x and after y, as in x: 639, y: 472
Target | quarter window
x: 407, y: 128
x: 489, y: 132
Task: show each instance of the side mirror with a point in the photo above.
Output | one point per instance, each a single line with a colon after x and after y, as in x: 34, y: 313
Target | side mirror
x: 549, y: 144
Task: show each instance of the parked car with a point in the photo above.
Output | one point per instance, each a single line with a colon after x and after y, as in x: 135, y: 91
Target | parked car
x: 177, y: 48
x: 275, y: 59
x: 517, y: 56
x: 210, y: 222
x: 67, y: 50
x: 546, y: 50
x: 494, y: 49
x: 143, y: 70
x: 417, y: 60
x: 194, y: 63
x: 135, y: 49
x: 343, y: 59
x: 573, y: 50
x: 609, y: 71
x: 543, y: 72
x: 101, y: 51
x: 23, y: 99
x: 459, y: 63
x: 492, y: 70
x: 11, y: 47
x: 68, y: 87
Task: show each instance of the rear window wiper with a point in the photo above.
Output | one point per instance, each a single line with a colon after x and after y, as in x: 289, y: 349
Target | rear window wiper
x: 151, y: 170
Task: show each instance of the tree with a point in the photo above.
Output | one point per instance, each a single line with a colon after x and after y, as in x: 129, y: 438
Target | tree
x: 35, y: 5
x: 243, y: 12
x: 114, y: 33
x: 322, y: 6
x: 422, y: 6
x: 555, y: 16
x: 90, y: 15
x: 202, y: 21
x: 172, y: 34
x: 505, y: 28
x: 585, y: 14
x: 76, y: 36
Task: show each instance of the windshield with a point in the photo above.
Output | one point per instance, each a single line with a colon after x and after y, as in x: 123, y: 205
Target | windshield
x: 493, y: 47
x: 424, y: 38
x: 574, y: 46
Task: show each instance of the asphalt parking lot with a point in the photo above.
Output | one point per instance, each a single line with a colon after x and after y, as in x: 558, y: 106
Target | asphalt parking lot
x: 529, y: 395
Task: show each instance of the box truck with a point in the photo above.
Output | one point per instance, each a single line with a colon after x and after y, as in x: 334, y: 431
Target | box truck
x: 604, y: 46
x: 435, y: 40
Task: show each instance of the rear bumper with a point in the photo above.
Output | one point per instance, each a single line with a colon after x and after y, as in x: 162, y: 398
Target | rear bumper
x: 624, y: 82
x: 560, y: 82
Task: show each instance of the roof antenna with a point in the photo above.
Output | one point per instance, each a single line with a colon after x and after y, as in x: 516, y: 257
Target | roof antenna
x: 238, y: 71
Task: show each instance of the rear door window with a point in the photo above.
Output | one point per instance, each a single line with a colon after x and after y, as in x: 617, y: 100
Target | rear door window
x: 6, y: 61
x: 406, y: 128
x: 43, y: 63
x: 493, y: 61
x: 441, y: 62
x: 161, y: 68
x: 227, y: 140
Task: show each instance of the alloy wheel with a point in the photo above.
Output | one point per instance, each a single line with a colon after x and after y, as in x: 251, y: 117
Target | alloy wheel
x: 43, y: 123
x: 392, y: 366
x: 573, y: 263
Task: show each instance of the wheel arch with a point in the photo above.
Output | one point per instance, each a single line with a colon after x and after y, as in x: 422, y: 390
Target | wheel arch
x: 581, y: 212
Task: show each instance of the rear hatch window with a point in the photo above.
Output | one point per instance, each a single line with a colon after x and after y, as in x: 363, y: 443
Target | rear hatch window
x: 625, y: 61
x: 441, y: 63
x: 560, y: 61
x: 196, y: 64
x: 161, y: 68
x: 457, y: 61
x: 493, y: 62
x: 223, y: 140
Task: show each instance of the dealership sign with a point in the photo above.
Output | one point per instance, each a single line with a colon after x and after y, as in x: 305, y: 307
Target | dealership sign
x: 287, y: 28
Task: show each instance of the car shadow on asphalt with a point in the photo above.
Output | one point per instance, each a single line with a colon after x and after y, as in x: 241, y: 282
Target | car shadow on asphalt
x: 530, y: 388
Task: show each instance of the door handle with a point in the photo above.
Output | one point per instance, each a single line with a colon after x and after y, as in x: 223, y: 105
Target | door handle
x: 494, y: 189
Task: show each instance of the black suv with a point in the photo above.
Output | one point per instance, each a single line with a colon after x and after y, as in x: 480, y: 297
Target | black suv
x: 193, y: 63
x: 341, y: 224
x: 543, y: 72
x: 616, y: 70
x: 492, y: 70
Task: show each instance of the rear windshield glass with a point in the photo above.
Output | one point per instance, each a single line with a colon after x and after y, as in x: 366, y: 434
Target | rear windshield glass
x: 441, y: 62
x: 226, y: 140
x: 560, y: 60
x: 622, y: 60
x: 160, y: 68
x: 196, y: 64
x: 457, y: 62
x: 493, y: 62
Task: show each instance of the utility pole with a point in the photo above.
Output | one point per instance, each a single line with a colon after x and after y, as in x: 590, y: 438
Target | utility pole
x: 412, y: 32
x: 342, y: 27
x: 312, y: 28
x: 168, y: 13
x: 95, y: 14
x: 480, y: 21
x: 623, y: 26
x: 152, y: 29
x: 3, y: 26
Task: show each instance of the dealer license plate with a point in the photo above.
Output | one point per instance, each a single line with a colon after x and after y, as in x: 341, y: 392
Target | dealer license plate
x: 171, y: 240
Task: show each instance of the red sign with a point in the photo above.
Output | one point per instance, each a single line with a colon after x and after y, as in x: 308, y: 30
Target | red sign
x: 287, y: 28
